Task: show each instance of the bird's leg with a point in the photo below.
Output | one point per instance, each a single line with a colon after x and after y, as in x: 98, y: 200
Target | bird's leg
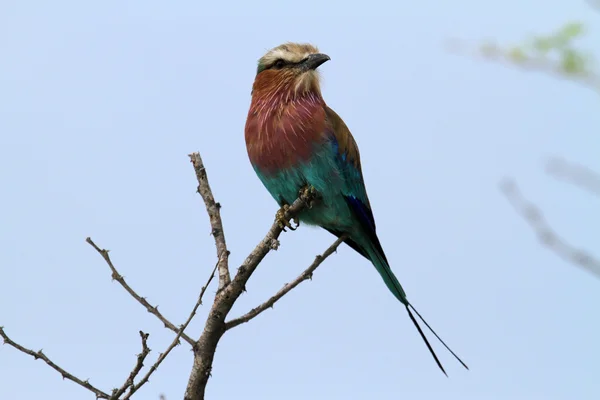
x: 284, y: 222
x: 308, y: 193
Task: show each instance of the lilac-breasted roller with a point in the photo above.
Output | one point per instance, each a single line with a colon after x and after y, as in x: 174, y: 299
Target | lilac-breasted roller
x: 296, y: 142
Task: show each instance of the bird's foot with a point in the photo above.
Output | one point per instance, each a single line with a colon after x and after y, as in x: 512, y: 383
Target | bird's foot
x: 283, y: 221
x: 308, y: 193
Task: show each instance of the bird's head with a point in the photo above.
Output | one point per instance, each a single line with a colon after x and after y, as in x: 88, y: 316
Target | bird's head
x: 289, y: 68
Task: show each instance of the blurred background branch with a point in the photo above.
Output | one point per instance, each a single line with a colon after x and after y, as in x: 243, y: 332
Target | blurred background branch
x: 547, y: 236
x: 578, y: 175
x: 557, y: 54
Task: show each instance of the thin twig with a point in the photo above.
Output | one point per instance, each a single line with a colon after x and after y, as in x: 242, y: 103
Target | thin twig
x: 578, y: 175
x: 307, y: 274
x: 136, y: 369
x: 175, y: 341
x: 545, y: 234
x: 66, y: 375
x: 142, y: 300
x: 213, y: 208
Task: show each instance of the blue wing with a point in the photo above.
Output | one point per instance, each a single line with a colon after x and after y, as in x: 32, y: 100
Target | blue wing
x: 348, y: 159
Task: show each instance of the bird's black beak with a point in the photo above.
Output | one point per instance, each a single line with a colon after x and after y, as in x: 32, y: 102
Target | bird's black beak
x: 314, y: 61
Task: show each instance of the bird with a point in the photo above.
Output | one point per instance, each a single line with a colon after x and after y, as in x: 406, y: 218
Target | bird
x: 298, y: 145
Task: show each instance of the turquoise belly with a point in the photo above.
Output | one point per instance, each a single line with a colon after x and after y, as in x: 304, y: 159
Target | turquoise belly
x: 323, y: 173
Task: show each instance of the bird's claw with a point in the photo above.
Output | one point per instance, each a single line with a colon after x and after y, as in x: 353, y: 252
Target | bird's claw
x: 308, y: 193
x: 283, y: 221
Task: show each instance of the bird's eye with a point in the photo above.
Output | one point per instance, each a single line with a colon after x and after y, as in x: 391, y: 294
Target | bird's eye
x: 279, y: 64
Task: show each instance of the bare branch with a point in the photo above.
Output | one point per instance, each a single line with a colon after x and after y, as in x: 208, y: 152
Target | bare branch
x: 595, y: 4
x: 214, y: 214
x: 142, y: 300
x: 578, y: 175
x: 136, y: 369
x: 545, y: 234
x: 307, y: 274
x: 215, y: 324
x: 66, y: 375
x: 175, y: 342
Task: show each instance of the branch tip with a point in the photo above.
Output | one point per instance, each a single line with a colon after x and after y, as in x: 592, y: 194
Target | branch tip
x: 213, y: 209
x: 66, y: 375
x: 305, y: 275
x: 142, y: 300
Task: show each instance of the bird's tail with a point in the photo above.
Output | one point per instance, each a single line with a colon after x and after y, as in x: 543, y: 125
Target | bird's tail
x: 381, y: 264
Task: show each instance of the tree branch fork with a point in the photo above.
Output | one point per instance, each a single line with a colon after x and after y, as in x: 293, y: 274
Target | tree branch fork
x: 229, y: 290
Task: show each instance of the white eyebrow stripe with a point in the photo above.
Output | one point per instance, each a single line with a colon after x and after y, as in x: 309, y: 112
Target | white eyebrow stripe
x: 285, y: 55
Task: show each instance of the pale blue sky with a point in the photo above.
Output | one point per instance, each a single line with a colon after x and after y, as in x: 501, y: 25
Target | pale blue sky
x: 102, y: 101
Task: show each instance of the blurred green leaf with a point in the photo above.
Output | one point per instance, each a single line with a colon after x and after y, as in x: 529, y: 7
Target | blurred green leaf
x: 572, y: 30
x: 555, y: 52
x: 573, y: 62
x: 517, y: 54
x: 560, y: 39
x: 489, y: 49
x: 543, y: 44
